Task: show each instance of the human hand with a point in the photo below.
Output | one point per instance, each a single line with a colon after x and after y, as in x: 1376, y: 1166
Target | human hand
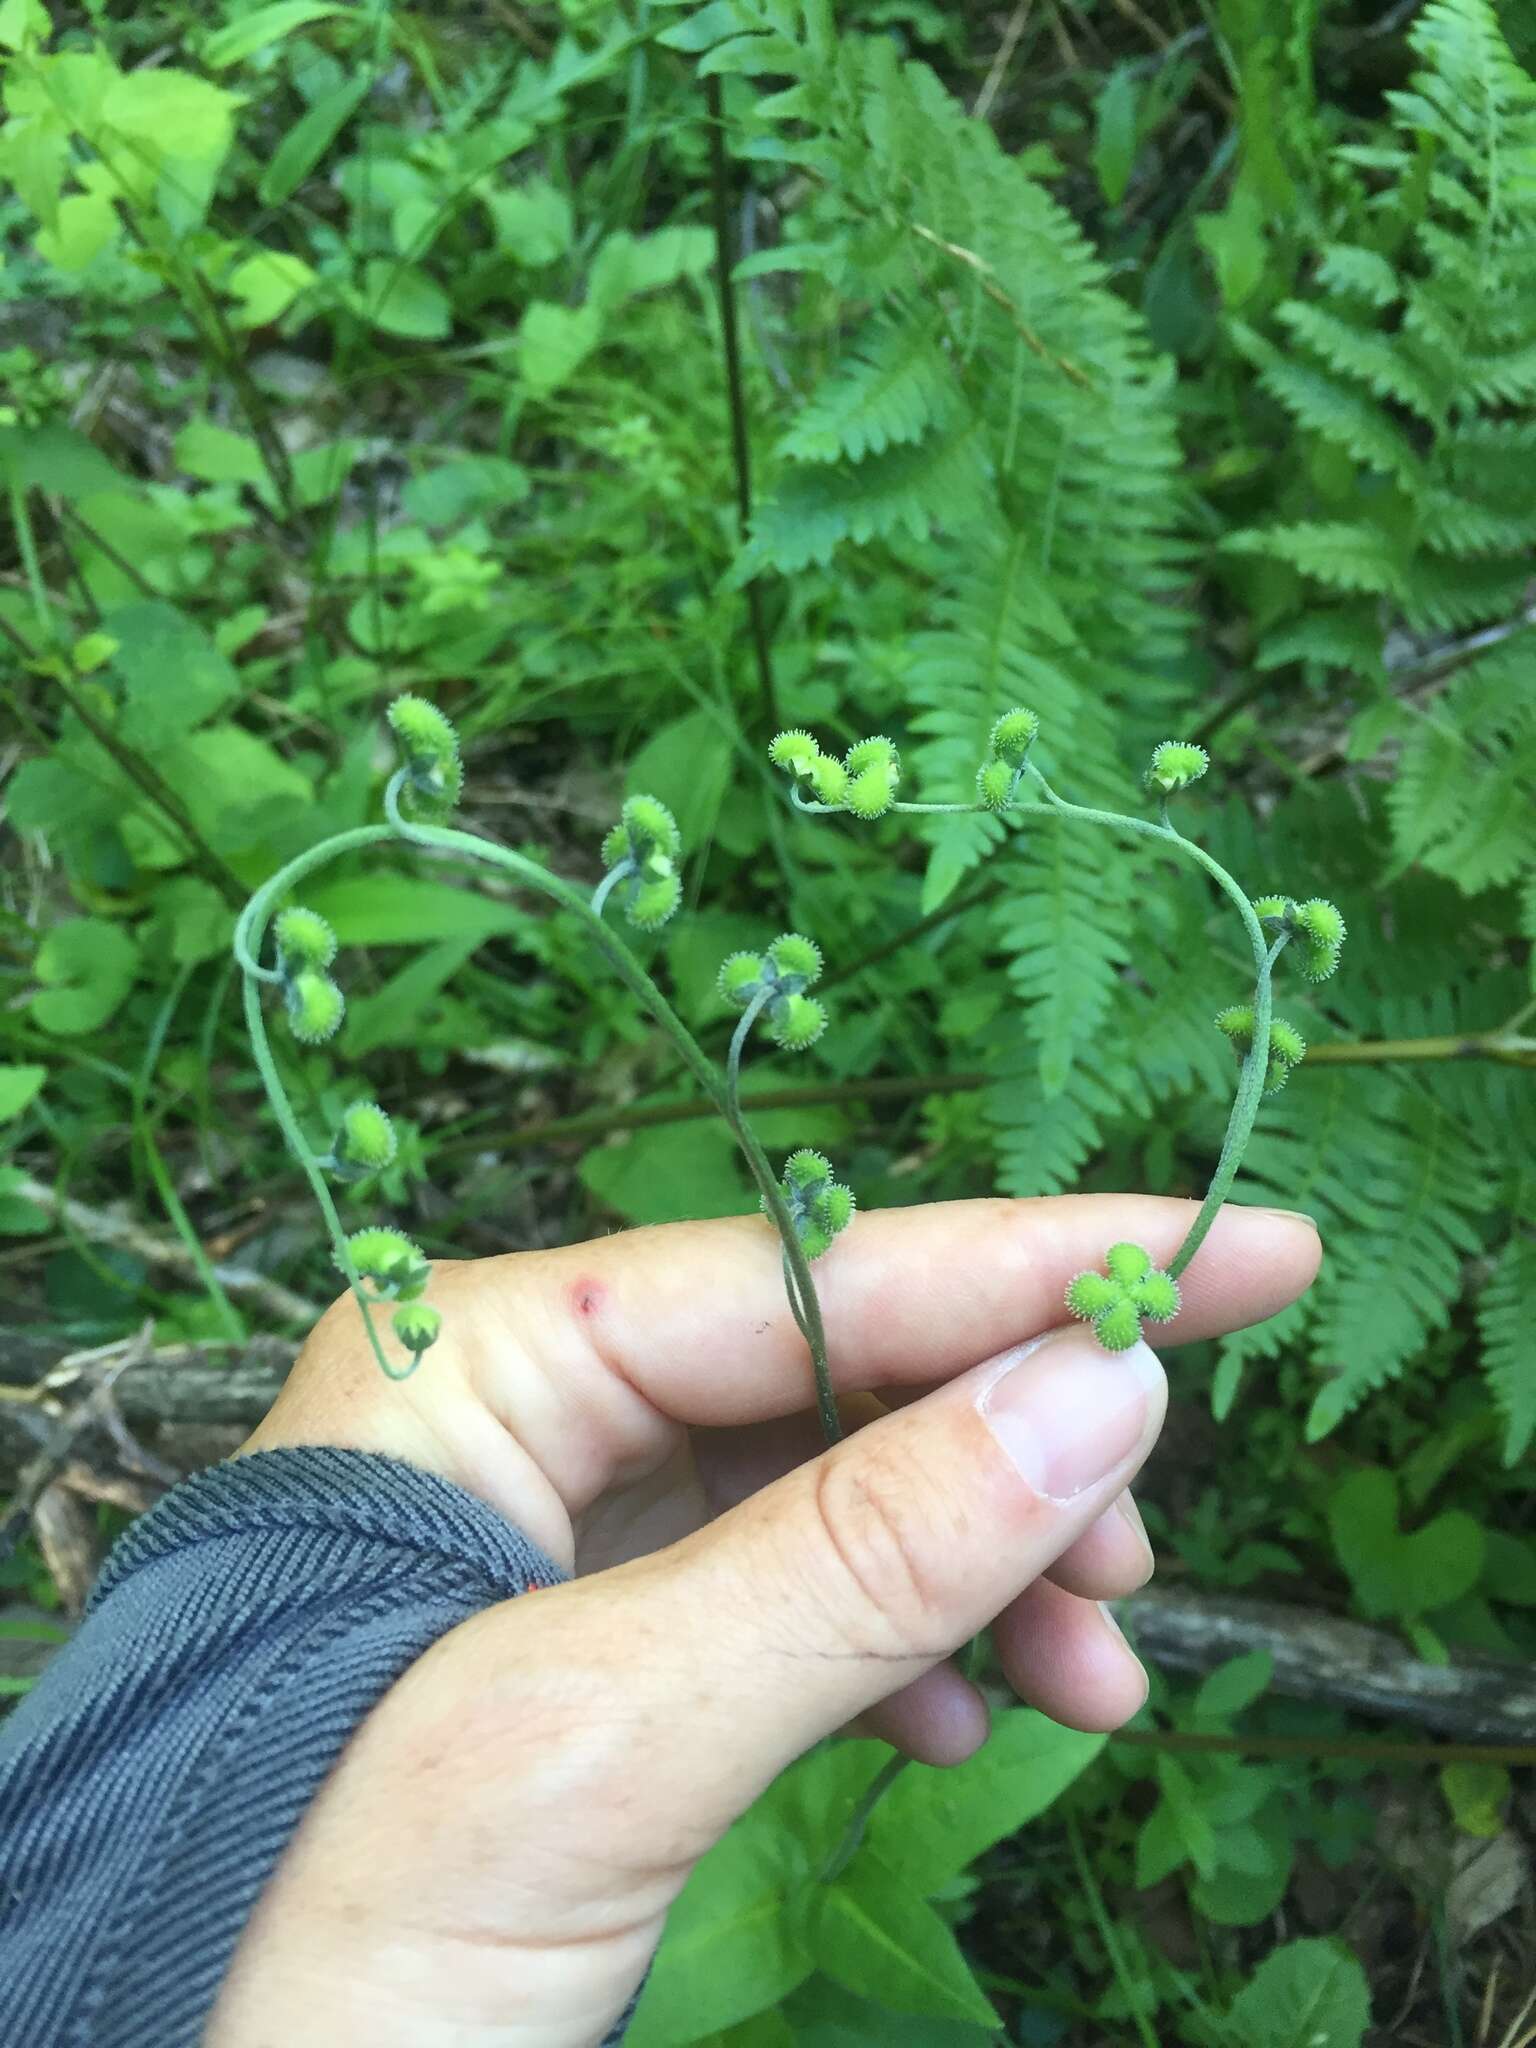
x: 492, y: 1859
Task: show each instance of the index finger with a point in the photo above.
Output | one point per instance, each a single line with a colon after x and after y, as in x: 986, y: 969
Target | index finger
x: 693, y: 1316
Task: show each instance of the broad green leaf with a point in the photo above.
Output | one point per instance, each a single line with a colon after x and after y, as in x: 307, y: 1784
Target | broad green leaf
x: 88, y: 966
x: 687, y: 765
x: 933, y: 1823
x: 267, y: 285
x: 1234, y: 1685
x: 56, y: 459
x: 1236, y: 1898
x: 1189, y: 1815
x: 825, y: 2015
x: 1476, y: 1795
x: 173, y: 676
x: 19, y: 1217
x: 35, y: 156
x: 23, y: 23
x: 166, y: 113
x: 253, y: 32
x: 731, y: 1948
x: 86, y: 222
x: 237, y: 788
x: 217, y: 454
x: 552, y: 344
x: 18, y: 1085
x: 627, y: 265
x: 1394, y: 1574
x: 877, y: 1937
x: 455, y: 490
x: 764, y: 2030
x: 668, y: 1174
x: 386, y: 909
x: 400, y: 299
x: 191, y: 921
x: 1309, y: 1994
x: 533, y: 222
x: 309, y: 138
x: 1114, y: 146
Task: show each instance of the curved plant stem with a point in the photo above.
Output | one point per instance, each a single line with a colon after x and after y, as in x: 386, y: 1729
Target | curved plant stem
x: 1250, y: 1080
x: 1251, y: 1075
x: 858, y: 1821
x: 610, y: 882
x: 250, y: 928
x: 448, y: 839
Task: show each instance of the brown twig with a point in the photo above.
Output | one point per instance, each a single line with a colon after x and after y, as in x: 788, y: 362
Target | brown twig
x: 120, y: 1233
x: 987, y: 278
x: 1321, y: 1657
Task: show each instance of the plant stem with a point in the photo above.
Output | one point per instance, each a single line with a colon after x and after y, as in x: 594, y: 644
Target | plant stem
x: 1250, y: 1083
x: 449, y: 840
x: 26, y: 541
x: 605, y: 888
x: 1101, y: 1921
x: 250, y: 928
x: 741, y: 454
x: 858, y: 1821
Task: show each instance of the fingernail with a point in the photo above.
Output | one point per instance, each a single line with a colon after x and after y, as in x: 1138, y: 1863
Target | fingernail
x: 1068, y: 1413
x: 1146, y: 1684
x: 1130, y: 1514
x: 1291, y: 1216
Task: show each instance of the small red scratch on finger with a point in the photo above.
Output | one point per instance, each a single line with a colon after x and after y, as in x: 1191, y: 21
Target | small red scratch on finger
x: 586, y: 1296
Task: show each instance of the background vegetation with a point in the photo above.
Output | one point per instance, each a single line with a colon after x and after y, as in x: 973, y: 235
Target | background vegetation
x: 1167, y: 365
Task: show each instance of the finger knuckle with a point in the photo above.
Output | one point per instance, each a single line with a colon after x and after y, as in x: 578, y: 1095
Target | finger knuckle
x: 879, y: 1549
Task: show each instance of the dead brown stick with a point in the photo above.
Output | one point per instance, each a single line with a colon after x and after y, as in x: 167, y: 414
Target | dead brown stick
x: 1343, y: 1663
x: 121, y: 1233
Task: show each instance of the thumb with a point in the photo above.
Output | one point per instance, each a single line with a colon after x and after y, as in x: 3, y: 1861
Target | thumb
x: 855, y: 1573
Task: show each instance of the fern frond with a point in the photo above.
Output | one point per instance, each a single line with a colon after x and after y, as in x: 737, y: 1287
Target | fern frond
x: 1063, y: 926
x: 940, y: 482
x: 1504, y: 1312
x: 1342, y: 554
x: 891, y: 386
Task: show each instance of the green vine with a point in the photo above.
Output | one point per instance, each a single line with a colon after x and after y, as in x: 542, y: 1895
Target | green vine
x: 770, y: 990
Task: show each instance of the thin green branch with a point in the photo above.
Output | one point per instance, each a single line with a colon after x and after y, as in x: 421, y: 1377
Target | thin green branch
x: 447, y: 839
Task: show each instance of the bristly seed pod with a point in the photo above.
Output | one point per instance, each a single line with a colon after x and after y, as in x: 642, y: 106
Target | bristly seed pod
x: 649, y: 904
x: 740, y: 978
x: 796, y: 1021
x: 647, y: 838
x: 1013, y: 735
x: 796, y: 961
x: 429, y: 749
x: 1176, y: 764
x: 304, y: 939
x: 795, y: 751
x: 1321, y: 931
x: 872, y: 791
x: 388, y: 1258
x: 417, y: 1326
x: 1117, y: 1300
x: 995, y: 784
x: 828, y: 779
x: 365, y: 1143
x: 1287, y: 1047
x: 819, y: 1206
x: 315, y: 1007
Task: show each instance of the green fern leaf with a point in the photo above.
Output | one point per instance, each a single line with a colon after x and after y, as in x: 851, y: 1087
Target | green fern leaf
x: 1504, y: 1311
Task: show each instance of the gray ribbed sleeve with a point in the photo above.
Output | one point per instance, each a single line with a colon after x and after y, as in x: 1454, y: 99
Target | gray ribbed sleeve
x: 239, y: 1632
